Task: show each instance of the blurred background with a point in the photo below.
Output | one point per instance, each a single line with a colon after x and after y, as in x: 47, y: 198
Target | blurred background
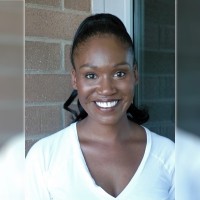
x: 188, y: 100
x: 11, y: 69
x: 11, y: 100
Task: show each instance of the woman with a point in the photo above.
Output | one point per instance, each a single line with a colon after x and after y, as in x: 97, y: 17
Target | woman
x: 105, y: 153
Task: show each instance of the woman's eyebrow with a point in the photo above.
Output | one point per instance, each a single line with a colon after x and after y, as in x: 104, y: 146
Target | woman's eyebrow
x: 87, y: 65
x: 121, y: 64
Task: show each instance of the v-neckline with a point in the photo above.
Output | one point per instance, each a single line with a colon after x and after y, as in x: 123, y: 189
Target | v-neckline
x: 90, y: 180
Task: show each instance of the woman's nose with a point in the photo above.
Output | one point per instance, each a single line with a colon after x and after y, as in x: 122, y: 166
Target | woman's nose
x: 106, y: 86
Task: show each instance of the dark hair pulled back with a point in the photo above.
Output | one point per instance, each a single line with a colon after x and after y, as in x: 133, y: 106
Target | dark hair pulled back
x: 97, y: 25
x: 100, y: 24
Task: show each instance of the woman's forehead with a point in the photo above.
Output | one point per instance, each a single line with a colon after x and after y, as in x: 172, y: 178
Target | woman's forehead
x: 102, y: 40
x: 103, y: 52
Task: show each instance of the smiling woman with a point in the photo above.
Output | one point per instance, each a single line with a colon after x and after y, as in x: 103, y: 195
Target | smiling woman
x: 121, y: 57
x: 105, y: 153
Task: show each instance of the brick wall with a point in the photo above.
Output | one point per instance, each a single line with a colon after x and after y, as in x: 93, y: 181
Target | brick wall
x: 49, y: 29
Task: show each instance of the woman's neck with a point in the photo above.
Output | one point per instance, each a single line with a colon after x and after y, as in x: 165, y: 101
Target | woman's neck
x: 90, y: 129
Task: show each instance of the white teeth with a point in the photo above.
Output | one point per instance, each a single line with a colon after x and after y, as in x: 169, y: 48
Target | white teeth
x: 107, y: 104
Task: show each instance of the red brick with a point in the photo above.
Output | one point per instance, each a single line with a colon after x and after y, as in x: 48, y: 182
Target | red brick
x: 83, y: 5
x: 55, y: 3
x: 42, y: 56
x: 52, y: 24
x: 68, y: 65
x: 47, y: 88
x: 42, y: 120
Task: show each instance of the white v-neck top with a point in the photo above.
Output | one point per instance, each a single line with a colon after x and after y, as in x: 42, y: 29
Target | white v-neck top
x: 56, y: 170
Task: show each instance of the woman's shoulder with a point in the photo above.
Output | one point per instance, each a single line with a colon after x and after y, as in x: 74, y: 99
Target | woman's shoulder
x: 162, y: 149
x: 160, y: 141
x: 54, y: 142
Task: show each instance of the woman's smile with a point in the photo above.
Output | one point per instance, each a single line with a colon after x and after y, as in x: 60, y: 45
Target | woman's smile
x: 106, y: 104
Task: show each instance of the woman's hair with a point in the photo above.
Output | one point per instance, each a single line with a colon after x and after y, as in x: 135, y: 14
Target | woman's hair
x: 98, y: 25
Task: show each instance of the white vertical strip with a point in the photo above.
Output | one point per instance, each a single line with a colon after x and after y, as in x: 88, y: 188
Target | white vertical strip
x: 98, y: 6
x: 121, y: 8
x: 62, y: 4
x: 115, y: 7
x: 128, y: 16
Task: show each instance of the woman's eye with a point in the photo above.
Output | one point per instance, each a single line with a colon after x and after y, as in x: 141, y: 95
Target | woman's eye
x: 90, y: 76
x: 119, y: 74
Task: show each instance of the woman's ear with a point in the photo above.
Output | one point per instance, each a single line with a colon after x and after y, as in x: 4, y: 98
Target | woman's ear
x: 73, y: 79
x: 136, y: 75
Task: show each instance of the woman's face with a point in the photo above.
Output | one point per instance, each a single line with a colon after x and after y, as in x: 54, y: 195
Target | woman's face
x: 104, y: 77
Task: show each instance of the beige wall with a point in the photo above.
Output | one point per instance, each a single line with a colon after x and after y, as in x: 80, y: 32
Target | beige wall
x: 49, y: 29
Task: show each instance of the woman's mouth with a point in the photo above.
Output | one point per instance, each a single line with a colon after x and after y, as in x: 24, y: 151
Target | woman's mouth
x: 107, y: 104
